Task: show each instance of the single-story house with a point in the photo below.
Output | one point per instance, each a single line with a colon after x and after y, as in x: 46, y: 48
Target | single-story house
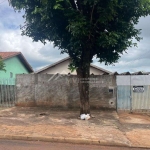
x: 15, y: 63
x: 61, y: 67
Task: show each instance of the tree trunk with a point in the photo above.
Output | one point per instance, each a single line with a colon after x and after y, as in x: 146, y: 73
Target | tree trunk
x: 83, y: 72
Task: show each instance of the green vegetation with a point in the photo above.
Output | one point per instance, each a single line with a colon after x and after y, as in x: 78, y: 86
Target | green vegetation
x: 2, y: 65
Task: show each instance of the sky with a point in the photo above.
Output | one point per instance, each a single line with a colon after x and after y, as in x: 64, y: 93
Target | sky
x: 39, y: 55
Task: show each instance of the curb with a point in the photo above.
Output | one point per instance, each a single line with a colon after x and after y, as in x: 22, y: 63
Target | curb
x: 68, y: 140
x: 63, y: 140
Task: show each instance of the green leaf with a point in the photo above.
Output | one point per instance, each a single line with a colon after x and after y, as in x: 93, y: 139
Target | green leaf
x: 2, y: 65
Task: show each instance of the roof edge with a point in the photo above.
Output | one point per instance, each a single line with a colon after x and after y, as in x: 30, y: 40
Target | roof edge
x: 16, y: 53
x: 99, y: 68
x: 67, y: 58
x: 29, y: 68
x: 51, y: 65
x: 26, y: 63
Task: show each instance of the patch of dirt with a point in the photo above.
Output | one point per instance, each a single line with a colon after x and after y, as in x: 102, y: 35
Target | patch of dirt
x: 139, y: 137
x: 129, y: 122
x: 136, y: 127
x: 134, y: 118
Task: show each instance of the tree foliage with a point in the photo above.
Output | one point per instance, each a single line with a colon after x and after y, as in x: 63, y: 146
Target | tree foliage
x: 2, y: 65
x: 106, y: 27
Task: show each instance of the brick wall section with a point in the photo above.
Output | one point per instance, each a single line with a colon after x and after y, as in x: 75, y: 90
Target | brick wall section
x: 62, y: 91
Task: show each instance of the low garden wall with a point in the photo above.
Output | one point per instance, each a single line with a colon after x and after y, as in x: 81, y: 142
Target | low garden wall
x: 62, y: 91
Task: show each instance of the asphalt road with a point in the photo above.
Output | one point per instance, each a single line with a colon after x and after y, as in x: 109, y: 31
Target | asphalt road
x: 37, y: 145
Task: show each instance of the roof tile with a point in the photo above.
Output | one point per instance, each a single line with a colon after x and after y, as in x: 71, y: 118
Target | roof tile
x: 6, y: 55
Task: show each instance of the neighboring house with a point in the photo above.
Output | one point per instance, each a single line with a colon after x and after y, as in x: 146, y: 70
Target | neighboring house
x: 15, y: 63
x: 61, y: 67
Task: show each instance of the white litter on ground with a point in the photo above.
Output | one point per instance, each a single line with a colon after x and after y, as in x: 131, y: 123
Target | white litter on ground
x: 85, y: 116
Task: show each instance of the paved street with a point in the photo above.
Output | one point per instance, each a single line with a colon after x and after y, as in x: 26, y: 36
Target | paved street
x: 26, y: 145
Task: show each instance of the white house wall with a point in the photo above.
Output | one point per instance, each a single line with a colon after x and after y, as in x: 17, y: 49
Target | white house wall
x: 96, y: 71
x: 62, y: 68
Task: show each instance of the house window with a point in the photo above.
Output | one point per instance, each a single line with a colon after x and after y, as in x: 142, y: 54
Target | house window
x: 11, y: 75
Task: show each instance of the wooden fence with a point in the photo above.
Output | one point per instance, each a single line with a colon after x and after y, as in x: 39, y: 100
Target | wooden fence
x: 7, y: 92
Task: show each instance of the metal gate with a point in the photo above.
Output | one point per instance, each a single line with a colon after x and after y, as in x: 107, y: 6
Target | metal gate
x: 133, y: 93
x: 7, y: 92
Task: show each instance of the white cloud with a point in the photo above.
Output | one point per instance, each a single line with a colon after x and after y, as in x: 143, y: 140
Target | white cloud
x: 36, y: 53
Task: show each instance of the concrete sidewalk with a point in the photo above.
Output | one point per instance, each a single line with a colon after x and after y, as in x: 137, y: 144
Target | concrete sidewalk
x: 46, y: 124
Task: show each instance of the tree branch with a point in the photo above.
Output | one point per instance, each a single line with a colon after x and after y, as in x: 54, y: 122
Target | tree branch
x: 92, y: 14
x: 79, y: 4
x: 91, y: 20
x: 72, y: 2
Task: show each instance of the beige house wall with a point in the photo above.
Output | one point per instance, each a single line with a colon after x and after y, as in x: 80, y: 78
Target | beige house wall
x: 96, y: 71
x: 62, y: 68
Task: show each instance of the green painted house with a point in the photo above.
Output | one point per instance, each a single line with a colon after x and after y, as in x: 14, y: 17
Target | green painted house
x: 15, y: 63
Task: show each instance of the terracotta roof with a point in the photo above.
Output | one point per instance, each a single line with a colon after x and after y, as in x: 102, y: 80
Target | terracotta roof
x: 6, y: 55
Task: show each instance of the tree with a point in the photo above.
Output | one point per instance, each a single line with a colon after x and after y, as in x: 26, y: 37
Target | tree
x: 84, y: 29
x: 2, y: 65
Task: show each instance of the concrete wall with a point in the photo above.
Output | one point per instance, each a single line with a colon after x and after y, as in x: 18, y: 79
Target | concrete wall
x: 62, y: 91
x: 62, y: 68
x: 13, y: 66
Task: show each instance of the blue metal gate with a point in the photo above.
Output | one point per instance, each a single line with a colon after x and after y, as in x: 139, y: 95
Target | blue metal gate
x: 133, y: 93
x: 124, y: 93
x: 123, y: 97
